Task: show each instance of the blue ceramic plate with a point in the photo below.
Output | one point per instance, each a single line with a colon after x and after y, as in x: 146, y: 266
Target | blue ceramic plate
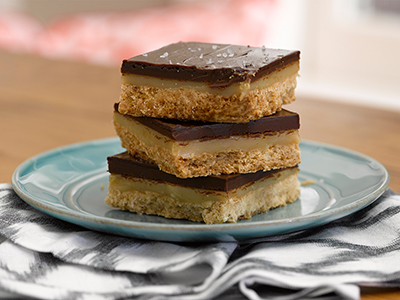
x: 70, y: 183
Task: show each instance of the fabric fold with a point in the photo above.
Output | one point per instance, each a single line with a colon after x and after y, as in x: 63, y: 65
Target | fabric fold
x: 47, y: 258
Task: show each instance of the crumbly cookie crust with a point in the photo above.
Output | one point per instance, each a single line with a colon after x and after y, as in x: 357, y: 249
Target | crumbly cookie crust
x: 191, y: 104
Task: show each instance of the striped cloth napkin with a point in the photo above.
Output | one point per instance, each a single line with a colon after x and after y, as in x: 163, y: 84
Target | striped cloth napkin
x: 42, y: 257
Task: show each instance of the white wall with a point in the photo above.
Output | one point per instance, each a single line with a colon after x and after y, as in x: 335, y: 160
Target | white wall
x: 348, y: 54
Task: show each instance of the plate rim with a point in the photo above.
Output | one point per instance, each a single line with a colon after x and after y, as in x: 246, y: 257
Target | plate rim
x: 65, y: 211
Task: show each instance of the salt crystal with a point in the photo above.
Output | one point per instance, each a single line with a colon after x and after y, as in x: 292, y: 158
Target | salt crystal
x: 164, y: 55
x: 214, y: 47
x: 231, y: 54
x: 224, y: 54
x: 201, y: 55
x: 145, y: 54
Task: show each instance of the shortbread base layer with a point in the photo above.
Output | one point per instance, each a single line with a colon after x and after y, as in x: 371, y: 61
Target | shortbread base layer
x: 228, y: 160
x: 167, y: 200
x: 192, y: 104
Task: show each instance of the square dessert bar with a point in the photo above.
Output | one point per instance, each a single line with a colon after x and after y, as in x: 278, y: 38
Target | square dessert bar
x: 139, y: 186
x: 208, y: 82
x: 191, y: 149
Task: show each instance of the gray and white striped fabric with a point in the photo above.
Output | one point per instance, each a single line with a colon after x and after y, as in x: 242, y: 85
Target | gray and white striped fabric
x: 42, y: 257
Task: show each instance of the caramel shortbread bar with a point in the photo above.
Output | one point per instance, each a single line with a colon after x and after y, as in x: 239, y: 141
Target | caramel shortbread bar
x: 191, y: 148
x: 208, y: 82
x: 140, y: 187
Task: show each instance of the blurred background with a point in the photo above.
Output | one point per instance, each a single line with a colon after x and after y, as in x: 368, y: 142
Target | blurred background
x: 350, y: 48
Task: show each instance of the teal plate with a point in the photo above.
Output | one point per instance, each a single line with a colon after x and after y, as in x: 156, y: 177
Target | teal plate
x: 70, y: 183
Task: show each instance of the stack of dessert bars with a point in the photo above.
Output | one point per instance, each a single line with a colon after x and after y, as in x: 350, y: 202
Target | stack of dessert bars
x: 205, y: 133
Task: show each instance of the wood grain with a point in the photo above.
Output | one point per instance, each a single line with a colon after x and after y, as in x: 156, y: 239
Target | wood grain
x: 46, y: 104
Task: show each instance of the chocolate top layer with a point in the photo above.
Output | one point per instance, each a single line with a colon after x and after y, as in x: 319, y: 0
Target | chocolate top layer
x: 196, y: 130
x: 128, y: 165
x: 217, y: 65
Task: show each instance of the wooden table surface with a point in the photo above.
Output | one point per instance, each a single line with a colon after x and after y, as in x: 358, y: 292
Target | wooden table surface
x: 45, y: 104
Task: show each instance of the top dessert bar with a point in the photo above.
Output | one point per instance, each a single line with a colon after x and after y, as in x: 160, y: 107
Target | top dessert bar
x: 208, y: 82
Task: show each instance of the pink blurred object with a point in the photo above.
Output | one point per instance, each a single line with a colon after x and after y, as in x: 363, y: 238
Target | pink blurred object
x: 107, y: 38
x: 18, y: 31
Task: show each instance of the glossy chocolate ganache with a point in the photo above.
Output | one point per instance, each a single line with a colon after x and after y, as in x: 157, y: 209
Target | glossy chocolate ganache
x: 127, y: 165
x: 196, y: 130
x: 217, y: 65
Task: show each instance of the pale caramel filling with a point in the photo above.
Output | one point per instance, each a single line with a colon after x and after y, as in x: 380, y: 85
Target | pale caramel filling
x: 186, y: 149
x: 192, y: 195
x: 237, y: 88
